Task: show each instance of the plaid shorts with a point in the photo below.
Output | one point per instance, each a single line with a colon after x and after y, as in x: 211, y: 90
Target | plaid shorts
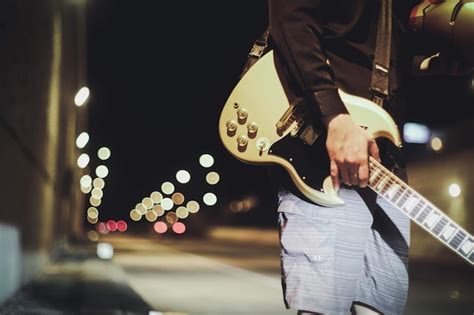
x: 332, y: 257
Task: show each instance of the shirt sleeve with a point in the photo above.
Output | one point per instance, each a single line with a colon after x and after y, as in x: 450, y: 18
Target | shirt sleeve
x: 296, y: 28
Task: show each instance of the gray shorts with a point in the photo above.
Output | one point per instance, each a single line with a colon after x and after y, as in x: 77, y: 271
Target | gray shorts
x: 331, y: 257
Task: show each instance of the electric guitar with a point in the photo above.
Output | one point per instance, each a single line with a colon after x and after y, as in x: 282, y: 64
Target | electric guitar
x: 258, y: 125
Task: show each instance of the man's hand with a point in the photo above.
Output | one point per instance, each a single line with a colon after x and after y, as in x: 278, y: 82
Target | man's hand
x: 349, y: 147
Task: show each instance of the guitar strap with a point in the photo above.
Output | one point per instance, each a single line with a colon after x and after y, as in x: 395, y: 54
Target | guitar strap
x: 379, y: 86
x: 258, y: 49
x: 381, y: 65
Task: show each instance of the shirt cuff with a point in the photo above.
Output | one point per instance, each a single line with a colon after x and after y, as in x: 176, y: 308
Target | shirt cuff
x: 330, y: 103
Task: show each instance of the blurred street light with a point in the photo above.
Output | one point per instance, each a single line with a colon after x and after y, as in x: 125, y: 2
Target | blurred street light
x: 81, y: 96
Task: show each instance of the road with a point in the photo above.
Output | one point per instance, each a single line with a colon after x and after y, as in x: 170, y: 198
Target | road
x: 236, y: 271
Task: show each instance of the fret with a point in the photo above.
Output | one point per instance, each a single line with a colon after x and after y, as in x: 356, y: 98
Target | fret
x: 448, y: 232
x: 404, y: 198
x: 410, y: 203
x: 423, y: 214
x: 467, y: 246
x: 440, y: 225
x: 392, y: 191
x: 373, y: 175
x: 419, y: 206
x: 381, y: 184
x: 399, y: 194
x: 432, y: 219
x: 457, y: 239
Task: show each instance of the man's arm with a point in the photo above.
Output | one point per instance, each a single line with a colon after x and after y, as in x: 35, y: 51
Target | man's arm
x: 296, y: 28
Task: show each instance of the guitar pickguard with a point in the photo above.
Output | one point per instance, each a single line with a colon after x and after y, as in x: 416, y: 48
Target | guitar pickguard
x: 311, y: 162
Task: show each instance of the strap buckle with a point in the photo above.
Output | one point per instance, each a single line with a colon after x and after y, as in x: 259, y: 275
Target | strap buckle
x: 258, y: 49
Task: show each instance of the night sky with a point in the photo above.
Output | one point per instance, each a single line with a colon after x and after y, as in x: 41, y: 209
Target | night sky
x: 159, y: 74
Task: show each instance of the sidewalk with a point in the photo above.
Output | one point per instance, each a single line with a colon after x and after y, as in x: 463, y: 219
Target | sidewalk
x: 78, y: 283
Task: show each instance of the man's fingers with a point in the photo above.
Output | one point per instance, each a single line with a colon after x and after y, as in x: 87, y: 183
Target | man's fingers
x: 363, y: 175
x: 374, y: 149
x: 334, y: 175
x: 354, y: 175
x: 344, y: 174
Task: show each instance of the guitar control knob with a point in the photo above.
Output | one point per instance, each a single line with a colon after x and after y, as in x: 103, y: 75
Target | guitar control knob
x: 242, y: 115
x: 231, y: 126
x: 242, y: 141
x: 252, y: 128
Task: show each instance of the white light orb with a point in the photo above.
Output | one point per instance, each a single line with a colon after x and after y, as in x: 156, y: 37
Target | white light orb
x: 81, y: 96
x: 183, y: 177
x: 167, y: 204
x: 209, y: 199
x: 206, y: 160
x: 102, y: 171
x: 82, y: 140
x: 83, y: 160
x: 103, y: 153
x: 86, y: 181
x: 167, y: 188
x: 454, y: 190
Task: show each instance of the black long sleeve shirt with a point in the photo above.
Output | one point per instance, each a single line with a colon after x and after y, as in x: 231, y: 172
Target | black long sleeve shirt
x: 322, y: 45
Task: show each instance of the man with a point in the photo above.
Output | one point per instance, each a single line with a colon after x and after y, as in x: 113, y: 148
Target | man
x: 354, y: 257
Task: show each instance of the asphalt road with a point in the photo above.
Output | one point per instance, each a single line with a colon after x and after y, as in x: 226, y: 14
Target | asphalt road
x: 236, y: 271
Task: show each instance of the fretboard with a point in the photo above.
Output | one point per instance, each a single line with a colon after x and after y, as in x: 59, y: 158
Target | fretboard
x: 420, y: 210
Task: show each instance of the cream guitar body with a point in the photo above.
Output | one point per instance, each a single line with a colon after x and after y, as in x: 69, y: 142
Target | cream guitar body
x: 258, y: 125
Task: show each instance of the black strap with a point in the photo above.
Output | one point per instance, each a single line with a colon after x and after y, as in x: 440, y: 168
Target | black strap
x: 381, y: 66
x: 258, y: 49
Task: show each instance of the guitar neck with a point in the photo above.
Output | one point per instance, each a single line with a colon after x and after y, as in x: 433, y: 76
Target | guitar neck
x: 420, y: 210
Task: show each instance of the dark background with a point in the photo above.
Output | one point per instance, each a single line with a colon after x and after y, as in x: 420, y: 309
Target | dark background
x: 159, y: 74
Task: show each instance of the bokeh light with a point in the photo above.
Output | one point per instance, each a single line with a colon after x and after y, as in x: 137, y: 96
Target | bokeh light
x: 83, y: 160
x: 206, y: 160
x: 436, y: 144
x: 167, y: 204
x: 86, y: 190
x: 101, y: 171
x: 82, y: 140
x: 95, y: 202
x: 112, y: 225
x: 212, y: 178
x: 135, y: 215
x: 147, y: 202
x: 167, y: 188
x: 178, y: 198
x: 97, y: 193
x: 92, y: 212
x: 160, y: 227
x: 179, y: 228
x: 156, y: 197
x: 159, y: 210
x: 98, y: 183
x: 86, y: 181
x: 151, y: 216
x: 81, y: 96
x: 182, y: 212
x: 141, y: 208
x: 454, y: 190
x: 192, y: 206
x: 183, y: 176
x: 209, y: 199
x: 122, y: 226
x: 103, y: 153
x: 171, y: 217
